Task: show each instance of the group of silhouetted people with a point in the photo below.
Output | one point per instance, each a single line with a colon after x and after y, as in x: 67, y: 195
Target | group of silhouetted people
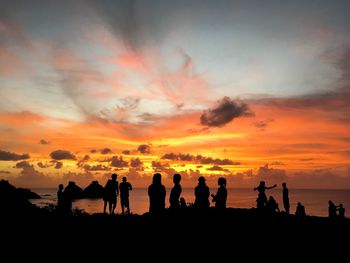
x: 335, y: 211
x: 157, y: 195
x: 112, y: 190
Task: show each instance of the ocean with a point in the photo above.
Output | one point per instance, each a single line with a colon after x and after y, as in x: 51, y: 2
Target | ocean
x: 314, y: 200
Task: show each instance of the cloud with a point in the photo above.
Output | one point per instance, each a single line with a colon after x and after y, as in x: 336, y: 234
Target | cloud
x: 44, y: 142
x: 198, y: 159
x: 217, y: 168
x: 93, y: 151
x: 137, y: 164
x: 126, y: 152
x: 86, y: 158
x: 10, y: 156
x: 58, y: 165
x: 144, y: 148
x: 106, y: 151
x: 224, y: 112
x: 98, y: 167
x: 62, y: 155
x: 22, y: 164
x: 262, y: 125
x: 118, y: 162
x: 4, y: 172
x: 267, y: 172
x: 44, y: 165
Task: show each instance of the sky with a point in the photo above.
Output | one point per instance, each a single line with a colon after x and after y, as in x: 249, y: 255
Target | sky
x: 246, y: 90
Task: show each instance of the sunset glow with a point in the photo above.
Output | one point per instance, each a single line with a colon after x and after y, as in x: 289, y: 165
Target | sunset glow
x: 88, y: 89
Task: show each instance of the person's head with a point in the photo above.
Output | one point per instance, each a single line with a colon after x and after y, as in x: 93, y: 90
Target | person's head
x: 262, y: 183
x: 299, y: 204
x: 330, y: 202
x: 341, y: 205
x: 176, y: 178
x: 124, y: 179
x: 222, y: 181
x: 157, y: 178
x: 60, y: 186
x: 284, y: 185
x: 114, y: 176
x: 201, y: 180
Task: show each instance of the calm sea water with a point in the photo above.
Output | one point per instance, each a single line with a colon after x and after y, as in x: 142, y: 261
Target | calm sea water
x: 315, y: 201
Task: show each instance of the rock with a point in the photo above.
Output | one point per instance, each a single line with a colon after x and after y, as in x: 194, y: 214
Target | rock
x: 13, y: 199
x: 74, y: 191
x: 94, y: 190
x: 27, y: 193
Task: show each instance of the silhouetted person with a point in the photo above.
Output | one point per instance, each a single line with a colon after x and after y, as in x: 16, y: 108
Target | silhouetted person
x: 67, y: 197
x: 202, y: 194
x: 332, y: 210
x: 341, y: 211
x: 272, y: 205
x: 156, y: 193
x: 175, y: 192
x: 111, y: 191
x: 262, y: 199
x: 60, y: 199
x: 300, y: 211
x: 221, y: 195
x: 124, y: 188
x: 183, y: 202
x: 285, y: 198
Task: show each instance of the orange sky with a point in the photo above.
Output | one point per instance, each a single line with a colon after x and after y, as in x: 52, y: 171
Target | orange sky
x: 86, y: 91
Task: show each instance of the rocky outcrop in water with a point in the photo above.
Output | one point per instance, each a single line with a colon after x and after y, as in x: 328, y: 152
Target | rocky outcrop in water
x: 94, y: 190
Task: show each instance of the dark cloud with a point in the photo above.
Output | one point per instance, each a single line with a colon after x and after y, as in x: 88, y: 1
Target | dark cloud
x: 44, y: 165
x: 86, y: 158
x: 58, y: 165
x: 262, y: 125
x: 136, y: 163
x: 106, y: 151
x: 118, y: 162
x: 277, y: 163
x: 93, y: 151
x: 98, y: 167
x: 198, y: 159
x: 10, y: 156
x: 62, y: 155
x: 23, y: 164
x: 126, y: 152
x: 144, y: 148
x: 159, y: 165
x: 44, y: 142
x: 217, y: 168
x: 224, y: 112
x: 4, y: 172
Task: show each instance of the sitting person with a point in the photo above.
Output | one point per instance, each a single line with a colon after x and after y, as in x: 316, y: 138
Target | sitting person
x: 272, y: 205
x: 300, y: 211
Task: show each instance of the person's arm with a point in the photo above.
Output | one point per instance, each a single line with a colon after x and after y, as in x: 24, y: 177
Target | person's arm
x: 117, y: 188
x: 130, y: 186
x: 271, y: 186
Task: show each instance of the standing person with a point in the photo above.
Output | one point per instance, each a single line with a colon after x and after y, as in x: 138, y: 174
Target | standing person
x: 262, y: 199
x: 286, y: 198
x: 202, y: 194
x: 60, y: 199
x: 124, y: 188
x: 332, y: 210
x: 156, y: 193
x: 175, y: 192
x: 111, y: 191
x: 221, y: 195
x: 341, y: 211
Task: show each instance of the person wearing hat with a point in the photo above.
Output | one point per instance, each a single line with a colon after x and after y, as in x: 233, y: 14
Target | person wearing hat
x: 202, y: 194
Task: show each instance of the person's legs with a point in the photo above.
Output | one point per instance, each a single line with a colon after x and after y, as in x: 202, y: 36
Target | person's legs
x: 104, y: 206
